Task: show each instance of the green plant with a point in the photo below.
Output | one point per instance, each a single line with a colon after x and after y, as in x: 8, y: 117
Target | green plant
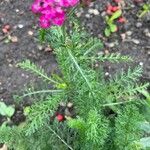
x: 145, y: 9
x: 5, y: 110
x: 106, y: 111
x: 111, y: 26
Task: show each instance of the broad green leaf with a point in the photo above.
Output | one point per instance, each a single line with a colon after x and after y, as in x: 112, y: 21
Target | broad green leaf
x: 145, y: 142
x: 107, y: 32
x: 3, y: 108
x: 146, y: 7
x: 116, y: 15
x: 113, y: 28
x: 6, y: 110
x: 10, y: 111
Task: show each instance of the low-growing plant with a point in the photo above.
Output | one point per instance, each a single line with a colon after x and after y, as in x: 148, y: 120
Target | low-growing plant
x: 82, y: 110
x: 145, y: 9
x: 111, y: 26
x: 5, y: 110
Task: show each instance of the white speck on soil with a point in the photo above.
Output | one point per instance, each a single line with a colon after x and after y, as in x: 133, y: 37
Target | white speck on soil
x: 110, y: 45
x: 93, y: 11
x: 107, y: 74
x: 138, y: 24
x: 30, y: 33
x: 20, y: 26
x: 17, y: 10
x: 141, y: 63
x: 135, y: 41
x: 78, y: 14
x: 129, y: 33
x: 87, y: 16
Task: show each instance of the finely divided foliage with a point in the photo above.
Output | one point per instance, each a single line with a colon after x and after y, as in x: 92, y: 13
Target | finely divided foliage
x: 106, y: 110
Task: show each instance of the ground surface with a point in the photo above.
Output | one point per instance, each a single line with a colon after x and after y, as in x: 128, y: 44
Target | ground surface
x: 16, y: 13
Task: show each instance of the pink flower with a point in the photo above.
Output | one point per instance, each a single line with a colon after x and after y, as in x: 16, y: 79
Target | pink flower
x: 50, y: 2
x: 67, y: 3
x: 59, y: 17
x: 44, y: 22
x: 48, y: 12
x: 51, y: 11
x: 36, y: 6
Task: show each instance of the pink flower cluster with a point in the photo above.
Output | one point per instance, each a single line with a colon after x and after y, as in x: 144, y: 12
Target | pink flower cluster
x: 51, y: 11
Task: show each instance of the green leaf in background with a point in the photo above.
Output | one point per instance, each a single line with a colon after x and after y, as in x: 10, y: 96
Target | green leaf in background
x: 42, y: 34
x: 116, y: 15
x: 113, y: 27
x: 146, y: 94
x: 146, y: 7
x: 107, y: 32
x: 145, y: 126
x: 145, y: 142
x: 6, y: 110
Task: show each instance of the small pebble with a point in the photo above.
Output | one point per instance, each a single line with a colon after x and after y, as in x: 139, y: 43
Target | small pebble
x: 10, y: 65
x: 70, y: 104
x: 78, y: 14
x: 48, y: 49
x: 106, y: 51
x: 111, y: 45
x: 103, y: 14
x: 107, y: 74
x: 30, y: 33
x: 135, y: 41
x: 123, y: 36
x: 87, y: 16
x: 138, y: 24
x: 141, y: 63
x: 14, y: 39
x: 146, y: 32
x: 20, y: 26
x: 93, y: 11
x: 96, y: 65
x: 40, y: 47
x: 23, y: 75
x: 17, y: 10
x: 129, y: 33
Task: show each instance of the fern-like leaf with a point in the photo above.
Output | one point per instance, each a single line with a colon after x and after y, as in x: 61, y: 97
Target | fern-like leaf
x: 111, y: 57
x: 27, y: 65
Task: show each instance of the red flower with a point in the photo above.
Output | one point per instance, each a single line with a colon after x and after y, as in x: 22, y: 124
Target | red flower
x: 109, y: 7
x: 115, y: 8
x: 122, y: 20
x: 60, y: 117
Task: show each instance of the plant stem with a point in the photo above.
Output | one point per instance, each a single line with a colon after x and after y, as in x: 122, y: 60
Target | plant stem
x: 38, y: 92
x: 60, y: 138
x: 118, y: 103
